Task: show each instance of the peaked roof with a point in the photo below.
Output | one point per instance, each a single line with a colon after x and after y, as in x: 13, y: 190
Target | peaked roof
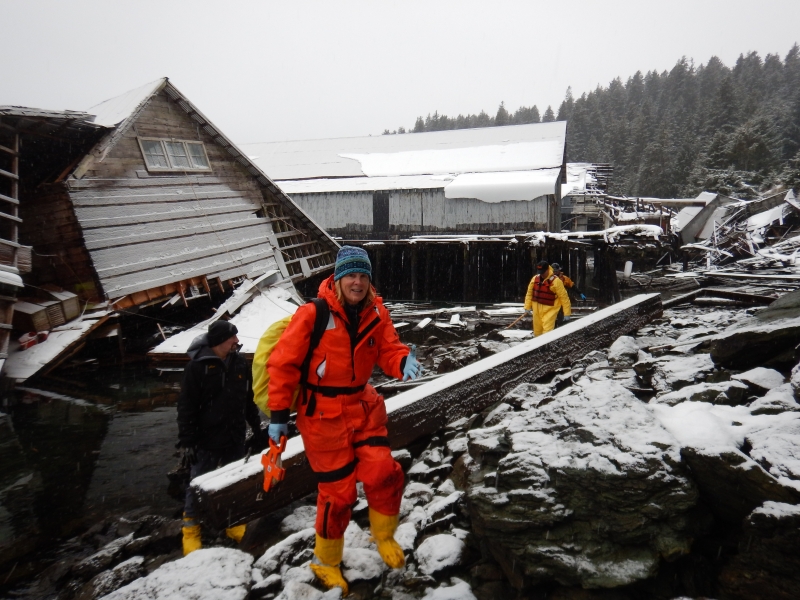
x: 120, y: 112
x: 110, y: 113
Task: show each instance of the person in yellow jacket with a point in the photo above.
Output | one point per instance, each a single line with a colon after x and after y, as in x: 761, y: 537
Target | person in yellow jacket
x: 546, y: 296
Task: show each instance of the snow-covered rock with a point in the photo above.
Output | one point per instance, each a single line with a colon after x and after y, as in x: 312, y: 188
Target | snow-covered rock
x: 767, y: 564
x: 675, y: 372
x: 207, y: 574
x: 738, y: 460
x: 760, y: 379
x: 286, y: 552
x: 623, y: 352
x: 457, y: 590
x: 778, y: 400
x: 552, y: 490
x: 439, y: 552
x: 301, y: 518
x: 726, y: 392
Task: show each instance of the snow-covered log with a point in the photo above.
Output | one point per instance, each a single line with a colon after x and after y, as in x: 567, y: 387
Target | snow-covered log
x: 232, y: 494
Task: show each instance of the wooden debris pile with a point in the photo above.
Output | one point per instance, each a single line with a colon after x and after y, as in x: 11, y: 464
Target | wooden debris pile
x: 747, y: 230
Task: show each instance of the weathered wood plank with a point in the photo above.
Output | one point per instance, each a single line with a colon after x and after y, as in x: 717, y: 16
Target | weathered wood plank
x: 239, y: 262
x: 105, y: 216
x: 120, y: 198
x: 109, y: 237
x: 742, y: 297
x: 128, y: 259
x: 233, y: 494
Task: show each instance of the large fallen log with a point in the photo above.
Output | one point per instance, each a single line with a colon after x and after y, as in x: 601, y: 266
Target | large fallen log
x: 233, y: 495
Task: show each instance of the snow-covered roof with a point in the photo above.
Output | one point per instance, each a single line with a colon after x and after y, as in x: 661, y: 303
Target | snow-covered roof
x: 489, y: 149
x: 489, y: 187
x: 579, y: 179
x: 113, y: 111
x: 364, y: 184
x: 684, y: 217
x: 509, y: 185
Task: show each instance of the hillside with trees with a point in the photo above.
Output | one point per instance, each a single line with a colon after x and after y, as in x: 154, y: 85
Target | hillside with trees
x: 734, y: 130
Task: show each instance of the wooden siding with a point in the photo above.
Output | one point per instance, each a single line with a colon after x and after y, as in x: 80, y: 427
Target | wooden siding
x: 144, y: 231
x: 50, y: 226
x: 425, y: 211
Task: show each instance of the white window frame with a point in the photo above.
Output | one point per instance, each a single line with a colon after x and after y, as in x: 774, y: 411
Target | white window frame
x: 171, y: 168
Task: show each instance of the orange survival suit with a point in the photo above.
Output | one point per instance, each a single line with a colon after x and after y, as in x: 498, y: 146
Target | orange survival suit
x: 341, y: 418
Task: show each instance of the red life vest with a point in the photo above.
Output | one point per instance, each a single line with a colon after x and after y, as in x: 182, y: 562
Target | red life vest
x: 542, y: 294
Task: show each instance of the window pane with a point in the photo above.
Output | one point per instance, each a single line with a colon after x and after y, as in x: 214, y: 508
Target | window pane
x: 198, y: 155
x: 154, y: 154
x: 177, y: 155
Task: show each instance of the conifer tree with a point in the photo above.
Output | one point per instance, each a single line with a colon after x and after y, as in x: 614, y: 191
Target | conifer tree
x: 548, y: 117
x: 502, y: 115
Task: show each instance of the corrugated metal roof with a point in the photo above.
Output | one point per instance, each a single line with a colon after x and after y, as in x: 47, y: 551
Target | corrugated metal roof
x: 509, y: 148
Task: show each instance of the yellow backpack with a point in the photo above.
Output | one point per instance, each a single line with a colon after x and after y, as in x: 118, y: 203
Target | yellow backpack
x: 267, y: 344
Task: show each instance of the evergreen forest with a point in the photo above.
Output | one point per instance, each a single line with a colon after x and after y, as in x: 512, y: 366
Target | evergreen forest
x: 733, y: 130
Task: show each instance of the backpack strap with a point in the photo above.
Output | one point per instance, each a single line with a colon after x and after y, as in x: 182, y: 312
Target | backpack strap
x: 320, y: 325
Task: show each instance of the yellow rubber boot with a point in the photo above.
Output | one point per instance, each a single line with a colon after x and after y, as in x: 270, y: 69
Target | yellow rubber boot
x: 191, y: 536
x: 236, y: 533
x: 329, y: 554
x: 383, y: 528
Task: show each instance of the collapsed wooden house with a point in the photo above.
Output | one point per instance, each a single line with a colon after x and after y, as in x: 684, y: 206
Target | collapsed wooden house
x: 157, y: 202
x: 487, y: 180
x: 28, y: 138
x: 141, y: 200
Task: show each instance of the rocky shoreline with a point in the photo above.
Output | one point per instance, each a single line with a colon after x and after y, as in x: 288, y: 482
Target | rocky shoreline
x: 660, y: 468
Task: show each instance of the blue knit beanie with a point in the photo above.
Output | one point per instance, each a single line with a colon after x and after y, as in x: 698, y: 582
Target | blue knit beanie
x: 352, y: 260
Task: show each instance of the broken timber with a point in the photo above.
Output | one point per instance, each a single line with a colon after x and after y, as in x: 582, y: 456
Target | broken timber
x: 743, y: 298
x: 233, y: 494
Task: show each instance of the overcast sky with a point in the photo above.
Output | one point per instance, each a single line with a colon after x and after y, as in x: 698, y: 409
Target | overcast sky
x: 266, y: 71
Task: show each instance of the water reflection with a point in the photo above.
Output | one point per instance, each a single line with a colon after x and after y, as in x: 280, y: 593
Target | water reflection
x: 75, y: 452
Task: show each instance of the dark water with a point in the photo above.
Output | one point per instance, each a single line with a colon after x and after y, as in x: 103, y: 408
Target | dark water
x: 81, y: 448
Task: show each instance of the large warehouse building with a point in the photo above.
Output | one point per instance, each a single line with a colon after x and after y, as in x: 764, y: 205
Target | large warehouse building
x: 490, y: 180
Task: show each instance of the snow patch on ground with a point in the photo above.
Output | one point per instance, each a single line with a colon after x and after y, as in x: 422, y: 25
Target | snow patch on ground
x: 207, y: 574
x: 439, y: 552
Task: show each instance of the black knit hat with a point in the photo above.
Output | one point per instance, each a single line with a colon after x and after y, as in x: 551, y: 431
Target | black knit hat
x: 219, y: 331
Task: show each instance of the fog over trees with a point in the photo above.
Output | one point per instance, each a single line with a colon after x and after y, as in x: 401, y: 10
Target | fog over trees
x: 734, y: 130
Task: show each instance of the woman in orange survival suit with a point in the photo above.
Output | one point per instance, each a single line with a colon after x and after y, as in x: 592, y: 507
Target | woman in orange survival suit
x: 342, y: 419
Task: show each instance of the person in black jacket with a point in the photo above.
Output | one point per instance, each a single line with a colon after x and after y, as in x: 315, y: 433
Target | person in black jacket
x: 214, y: 408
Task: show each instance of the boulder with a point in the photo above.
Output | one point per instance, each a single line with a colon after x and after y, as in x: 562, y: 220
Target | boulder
x: 439, y: 552
x: 457, y: 590
x: 738, y: 460
x: 781, y: 399
x: 285, y: 552
x: 768, y: 562
x: 623, y: 352
x: 206, y: 574
x: 108, y: 581
x: 728, y: 392
x: 760, y: 379
x: 586, y: 490
x: 757, y: 343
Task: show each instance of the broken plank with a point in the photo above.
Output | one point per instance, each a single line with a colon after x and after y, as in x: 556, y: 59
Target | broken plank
x: 233, y: 494
x: 684, y: 298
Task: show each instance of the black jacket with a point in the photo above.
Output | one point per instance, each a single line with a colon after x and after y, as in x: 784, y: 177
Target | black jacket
x: 216, y: 400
